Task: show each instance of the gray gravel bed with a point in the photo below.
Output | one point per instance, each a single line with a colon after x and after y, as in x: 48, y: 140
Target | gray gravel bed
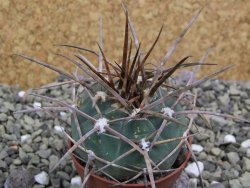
x: 31, y: 143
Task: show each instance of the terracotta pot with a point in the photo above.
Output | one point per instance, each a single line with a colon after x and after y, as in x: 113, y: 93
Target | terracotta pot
x: 100, y: 182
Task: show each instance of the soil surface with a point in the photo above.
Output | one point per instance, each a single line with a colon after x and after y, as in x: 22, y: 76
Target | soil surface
x: 33, y: 27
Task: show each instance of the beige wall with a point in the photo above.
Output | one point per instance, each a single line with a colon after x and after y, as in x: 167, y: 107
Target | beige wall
x: 32, y: 27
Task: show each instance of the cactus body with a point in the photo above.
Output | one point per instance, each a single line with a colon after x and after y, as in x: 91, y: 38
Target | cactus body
x: 109, y: 147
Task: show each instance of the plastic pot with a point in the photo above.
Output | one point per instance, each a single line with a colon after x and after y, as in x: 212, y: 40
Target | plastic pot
x: 96, y: 181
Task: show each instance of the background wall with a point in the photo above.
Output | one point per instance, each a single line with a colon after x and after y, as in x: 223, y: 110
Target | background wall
x: 33, y: 27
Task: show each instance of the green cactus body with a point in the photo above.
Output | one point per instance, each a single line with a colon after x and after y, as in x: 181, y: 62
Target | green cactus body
x: 109, y: 147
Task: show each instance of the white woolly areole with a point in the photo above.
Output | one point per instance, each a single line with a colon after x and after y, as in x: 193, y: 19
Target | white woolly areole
x: 100, y: 95
x: 90, y: 152
x: 91, y: 155
x: 101, y: 124
x: 135, y: 111
x: 168, y: 111
x: 76, y: 181
x: 145, y: 144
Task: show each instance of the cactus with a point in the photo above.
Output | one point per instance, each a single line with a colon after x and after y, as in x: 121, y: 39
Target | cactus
x: 124, y: 116
x: 138, y: 129
x: 129, y: 120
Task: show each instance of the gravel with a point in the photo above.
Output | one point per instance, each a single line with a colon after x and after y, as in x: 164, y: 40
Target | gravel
x: 32, y: 143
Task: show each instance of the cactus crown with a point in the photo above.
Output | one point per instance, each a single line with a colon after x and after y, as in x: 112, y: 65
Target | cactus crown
x: 128, y: 121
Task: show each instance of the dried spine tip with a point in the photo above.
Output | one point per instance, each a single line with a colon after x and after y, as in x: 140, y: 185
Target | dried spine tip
x: 101, y: 124
x: 145, y: 144
x: 168, y: 111
x: 135, y: 111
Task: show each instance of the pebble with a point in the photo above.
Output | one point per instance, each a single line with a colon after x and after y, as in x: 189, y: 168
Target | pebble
x: 215, y: 184
x: 233, y: 90
x: 38, y: 186
x: 21, y: 94
x: 44, y: 162
x: 33, y: 169
x: 229, y: 139
x: 3, y: 117
x: 233, y: 157
x: 44, y: 153
x: 34, y: 159
x: 10, y: 137
x: 75, y: 186
x: 197, y: 148
x: 38, y: 139
x: 246, y: 163
x: 3, y: 164
x: 230, y: 174
x: 42, y: 178
x: 182, y: 181
x: 19, y: 179
x: 192, y: 169
x: 53, y: 159
x: 17, y: 161
x: 37, y: 133
x: 224, y: 99
x: 37, y: 105
x: 23, y: 156
x: 76, y: 180
x: 193, y: 182
x: 226, y: 165
x: 247, y: 101
x: 235, y: 183
x: 246, y: 143
x: 27, y: 148
x: 65, y: 183
x: 9, y: 106
x: 248, y: 153
x: 57, y: 144
x: 202, y: 156
x: 244, y: 179
x: 29, y: 120
x: 216, y: 151
x: 63, y: 175
x: 59, y: 128
x: 2, y: 130
x: 219, y: 121
x: 55, y: 182
x: 25, y: 138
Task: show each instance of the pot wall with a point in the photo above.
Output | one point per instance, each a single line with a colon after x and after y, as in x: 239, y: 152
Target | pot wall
x: 100, y: 182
